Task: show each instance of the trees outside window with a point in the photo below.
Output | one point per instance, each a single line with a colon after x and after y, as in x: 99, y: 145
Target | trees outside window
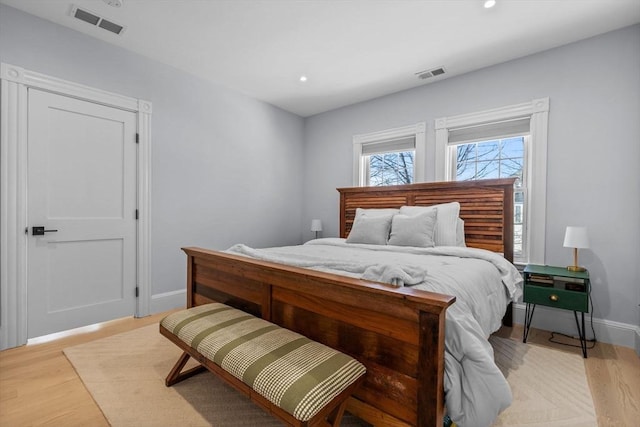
x: 390, y: 168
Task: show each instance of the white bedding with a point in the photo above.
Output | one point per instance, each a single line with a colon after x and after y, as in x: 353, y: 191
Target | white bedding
x: 482, y: 281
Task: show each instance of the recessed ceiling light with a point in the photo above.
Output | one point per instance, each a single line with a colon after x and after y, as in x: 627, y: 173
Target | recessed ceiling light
x: 489, y: 4
x: 303, y: 79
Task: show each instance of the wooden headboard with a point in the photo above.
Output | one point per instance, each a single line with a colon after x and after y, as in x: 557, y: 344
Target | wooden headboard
x: 486, y: 206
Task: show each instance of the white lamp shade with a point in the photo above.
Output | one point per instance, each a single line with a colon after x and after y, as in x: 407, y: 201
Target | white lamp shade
x: 316, y: 225
x: 576, y: 237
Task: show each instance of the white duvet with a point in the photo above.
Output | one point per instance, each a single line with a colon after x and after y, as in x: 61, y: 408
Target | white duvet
x: 482, y: 282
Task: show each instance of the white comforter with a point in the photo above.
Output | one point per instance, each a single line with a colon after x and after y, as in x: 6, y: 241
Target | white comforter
x: 482, y: 281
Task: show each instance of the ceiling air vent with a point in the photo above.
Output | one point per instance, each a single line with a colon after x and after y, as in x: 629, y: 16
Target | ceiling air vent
x: 110, y: 26
x: 94, y: 19
x: 422, y: 75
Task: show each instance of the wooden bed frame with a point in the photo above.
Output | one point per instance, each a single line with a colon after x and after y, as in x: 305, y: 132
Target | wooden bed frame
x: 397, y: 333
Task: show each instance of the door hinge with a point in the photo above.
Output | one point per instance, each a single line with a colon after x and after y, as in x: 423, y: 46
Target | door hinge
x: 137, y: 292
x: 136, y: 213
x: 137, y: 138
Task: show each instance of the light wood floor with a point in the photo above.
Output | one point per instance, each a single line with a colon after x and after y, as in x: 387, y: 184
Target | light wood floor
x: 39, y: 387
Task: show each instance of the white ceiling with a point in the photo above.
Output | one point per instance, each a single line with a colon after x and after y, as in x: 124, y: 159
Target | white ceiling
x: 351, y: 51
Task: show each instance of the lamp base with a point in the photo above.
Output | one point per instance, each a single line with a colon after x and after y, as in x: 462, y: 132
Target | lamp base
x: 576, y: 268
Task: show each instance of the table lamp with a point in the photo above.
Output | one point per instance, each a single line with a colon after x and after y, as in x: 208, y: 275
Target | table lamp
x: 576, y: 238
x: 316, y: 225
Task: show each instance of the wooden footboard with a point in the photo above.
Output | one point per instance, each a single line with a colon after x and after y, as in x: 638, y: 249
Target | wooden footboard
x: 397, y: 333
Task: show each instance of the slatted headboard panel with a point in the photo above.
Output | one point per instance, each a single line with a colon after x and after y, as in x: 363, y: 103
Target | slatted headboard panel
x: 486, y: 206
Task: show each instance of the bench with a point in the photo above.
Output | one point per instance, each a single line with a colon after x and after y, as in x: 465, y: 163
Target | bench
x: 300, y: 381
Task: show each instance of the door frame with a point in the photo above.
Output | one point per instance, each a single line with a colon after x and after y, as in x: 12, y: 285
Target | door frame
x: 14, y: 83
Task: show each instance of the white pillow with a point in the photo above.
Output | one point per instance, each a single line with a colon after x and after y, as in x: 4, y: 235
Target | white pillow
x: 373, y: 230
x: 413, y: 230
x: 376, y: 212
x: 460, y: 233
x: 446, y: 221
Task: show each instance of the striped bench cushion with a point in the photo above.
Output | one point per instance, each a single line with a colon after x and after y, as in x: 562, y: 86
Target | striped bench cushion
x: 293, y: 372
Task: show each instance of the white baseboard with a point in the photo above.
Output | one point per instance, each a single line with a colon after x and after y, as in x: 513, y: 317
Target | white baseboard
x: 168, y: 301
x: 563, y: 321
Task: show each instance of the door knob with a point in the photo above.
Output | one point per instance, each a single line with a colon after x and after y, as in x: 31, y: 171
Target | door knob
x: 39, y: 231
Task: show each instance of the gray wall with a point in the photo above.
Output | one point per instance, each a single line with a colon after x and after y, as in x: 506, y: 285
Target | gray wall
x: 225, y: 167
x: 593, y: 152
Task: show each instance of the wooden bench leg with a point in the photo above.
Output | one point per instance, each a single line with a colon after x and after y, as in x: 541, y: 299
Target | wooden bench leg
x: 335, y: 417
x: 175, y: 376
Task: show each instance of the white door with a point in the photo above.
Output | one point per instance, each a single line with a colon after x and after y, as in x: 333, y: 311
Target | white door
x: 82, y: 189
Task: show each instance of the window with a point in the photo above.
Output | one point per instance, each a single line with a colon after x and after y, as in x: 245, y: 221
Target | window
x: 501, y: 143
x: 389, y: 157
x: 497, y: 158
x: 389, y: 162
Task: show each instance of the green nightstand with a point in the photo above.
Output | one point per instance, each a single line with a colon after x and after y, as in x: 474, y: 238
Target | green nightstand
x: 560, y: 288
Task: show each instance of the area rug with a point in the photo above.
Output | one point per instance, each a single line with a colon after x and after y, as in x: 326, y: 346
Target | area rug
x: 549, y: 386
x: 125, y: 375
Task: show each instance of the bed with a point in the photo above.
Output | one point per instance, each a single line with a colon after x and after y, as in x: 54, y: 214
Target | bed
x: 396, y: 330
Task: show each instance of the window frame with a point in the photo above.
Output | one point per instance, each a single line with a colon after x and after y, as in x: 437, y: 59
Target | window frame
x: 416, y: 131
x: 535, y: 158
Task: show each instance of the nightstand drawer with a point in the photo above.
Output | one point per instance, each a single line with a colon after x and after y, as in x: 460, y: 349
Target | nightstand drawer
x: 559, y: 298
